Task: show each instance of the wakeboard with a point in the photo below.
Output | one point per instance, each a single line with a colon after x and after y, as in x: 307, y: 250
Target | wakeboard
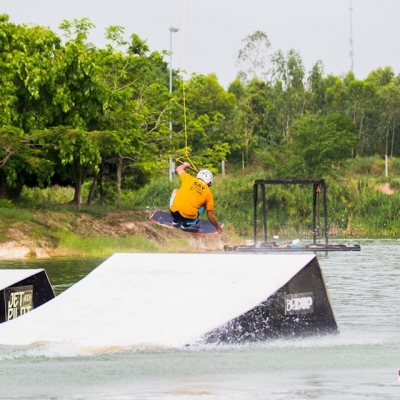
x: 164, y: 218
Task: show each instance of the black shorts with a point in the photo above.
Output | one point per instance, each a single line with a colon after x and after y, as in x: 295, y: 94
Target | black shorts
x: 176, y: 216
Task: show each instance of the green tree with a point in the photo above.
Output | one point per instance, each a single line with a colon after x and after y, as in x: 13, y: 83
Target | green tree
x: 80, y: 93
x: 28, y: 70
x: 210, y: 114
x: 135, y: 132
x: 21, y: 161
x: 73, y: 153
x: 315, y: 100
x: 255, y: 119
x: 336, y: 96
x: 385, y: 119
x: 289, y: 92
x: 389, y: 100
x: 318, y: 143
x: 360, y: 95
x: 252, y: 58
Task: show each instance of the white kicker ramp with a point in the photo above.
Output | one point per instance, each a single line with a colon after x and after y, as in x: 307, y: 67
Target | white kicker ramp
x: 135, y: 299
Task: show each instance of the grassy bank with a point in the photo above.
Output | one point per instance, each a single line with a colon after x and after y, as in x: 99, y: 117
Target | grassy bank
x: 91, y: 232
x: 362, y: 202
x: 358, y: 204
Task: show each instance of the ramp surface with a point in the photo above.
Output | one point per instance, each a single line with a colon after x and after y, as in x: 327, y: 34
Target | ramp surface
x: 139, y: 299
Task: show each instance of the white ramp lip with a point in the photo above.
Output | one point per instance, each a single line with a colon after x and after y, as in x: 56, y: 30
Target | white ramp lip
x: 9, y: 277
x: 141, y: 299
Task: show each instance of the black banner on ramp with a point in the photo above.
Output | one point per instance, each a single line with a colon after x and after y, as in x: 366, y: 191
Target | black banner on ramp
x: 21, y: 291
x: 18, y: 301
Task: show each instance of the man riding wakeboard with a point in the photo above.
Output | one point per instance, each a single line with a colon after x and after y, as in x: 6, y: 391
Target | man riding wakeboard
x: 194, y: 197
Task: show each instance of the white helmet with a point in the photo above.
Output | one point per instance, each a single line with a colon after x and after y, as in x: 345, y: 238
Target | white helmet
x: 206, y: 176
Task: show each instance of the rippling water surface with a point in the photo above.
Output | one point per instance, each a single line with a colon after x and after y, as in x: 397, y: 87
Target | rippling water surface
x: 362, y: 362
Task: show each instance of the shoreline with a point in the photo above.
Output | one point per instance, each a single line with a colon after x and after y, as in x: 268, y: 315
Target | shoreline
x: 14, y: 251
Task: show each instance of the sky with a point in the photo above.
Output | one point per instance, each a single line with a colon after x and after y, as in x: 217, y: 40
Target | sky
x: 211, y: 32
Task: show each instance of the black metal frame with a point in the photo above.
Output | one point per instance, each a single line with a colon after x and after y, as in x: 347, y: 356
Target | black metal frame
x: 317, y: 183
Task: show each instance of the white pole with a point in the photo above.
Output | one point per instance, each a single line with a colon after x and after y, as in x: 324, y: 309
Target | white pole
x: 386, y: 166
x: 171, y: 30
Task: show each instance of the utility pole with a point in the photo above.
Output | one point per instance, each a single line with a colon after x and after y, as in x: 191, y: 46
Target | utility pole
x: 171, y: 31
x: 351, y: 37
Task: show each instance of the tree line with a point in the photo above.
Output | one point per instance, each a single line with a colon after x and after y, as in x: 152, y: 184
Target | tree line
x: 71, y: 112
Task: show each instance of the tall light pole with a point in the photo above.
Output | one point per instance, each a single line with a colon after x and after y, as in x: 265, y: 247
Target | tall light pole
x: 171, y: 31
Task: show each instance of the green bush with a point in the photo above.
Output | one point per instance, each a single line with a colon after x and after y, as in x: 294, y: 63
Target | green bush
x: 37, y: 198
x: 154, y: 195
x: 366, y: 166
x: 6, y: 203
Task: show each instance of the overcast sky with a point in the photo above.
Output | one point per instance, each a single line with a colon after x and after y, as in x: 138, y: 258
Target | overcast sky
x: 211, y: 31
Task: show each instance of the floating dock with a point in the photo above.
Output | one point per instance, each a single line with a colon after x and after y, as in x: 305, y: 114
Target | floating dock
x: 260, y: 199
x: 286, y: 248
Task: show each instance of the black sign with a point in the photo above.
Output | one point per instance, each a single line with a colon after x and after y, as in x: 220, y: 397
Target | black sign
x: 18, y: 301
x: 299, y: 303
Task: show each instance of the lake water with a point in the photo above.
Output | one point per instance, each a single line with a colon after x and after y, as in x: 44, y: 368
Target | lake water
x: 362, y: 362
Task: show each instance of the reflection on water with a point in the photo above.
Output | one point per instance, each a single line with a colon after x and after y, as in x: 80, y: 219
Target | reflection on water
x: 359, y: 363
x: 62, y: 272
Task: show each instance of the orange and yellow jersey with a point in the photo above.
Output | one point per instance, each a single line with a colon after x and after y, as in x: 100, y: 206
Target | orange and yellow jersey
x: 192, y: 194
